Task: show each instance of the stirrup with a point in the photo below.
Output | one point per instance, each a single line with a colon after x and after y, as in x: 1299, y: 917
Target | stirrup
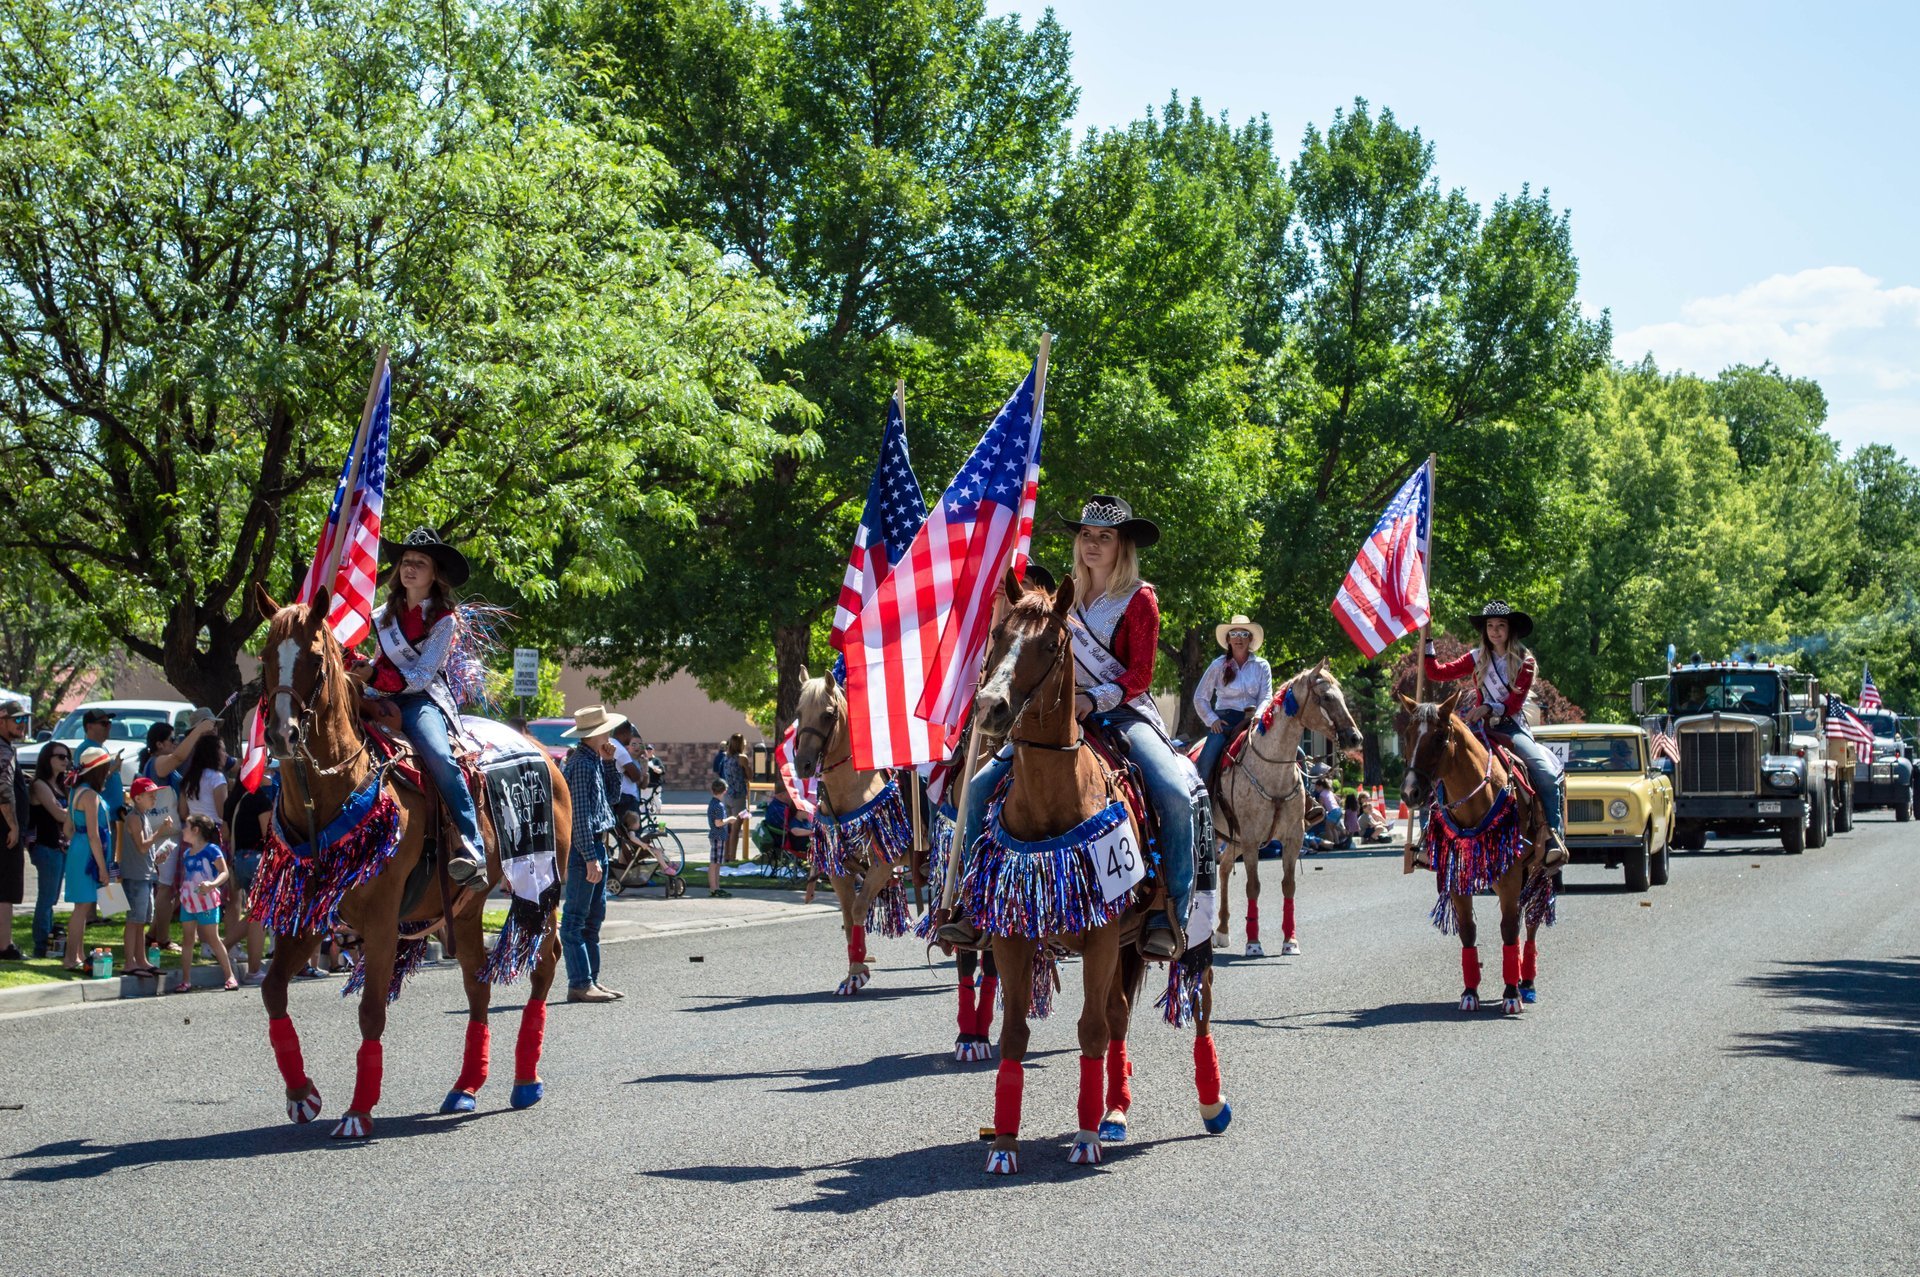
x: 464, y: 872
x: 1158, y: 942
x: 961, y: 934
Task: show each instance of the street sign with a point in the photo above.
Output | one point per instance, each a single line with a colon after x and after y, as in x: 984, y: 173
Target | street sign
x: 526, y: 671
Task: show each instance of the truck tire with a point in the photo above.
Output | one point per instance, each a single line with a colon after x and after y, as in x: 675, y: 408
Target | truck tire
x: 1657, y: 867
x: 1843, y: 810
x: 1793, y: 837
x: 1903, y: 809
x: 1691, y: 837
x: 1817, y: 818
x: 1637, y: 862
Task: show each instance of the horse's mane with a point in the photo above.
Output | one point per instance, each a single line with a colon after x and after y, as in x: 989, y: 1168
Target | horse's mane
x: 1034, y: 608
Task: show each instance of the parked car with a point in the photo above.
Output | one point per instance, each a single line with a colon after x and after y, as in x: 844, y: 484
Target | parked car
x: 1619, y: 806
x: 128, y: 731
x: 551, y: 732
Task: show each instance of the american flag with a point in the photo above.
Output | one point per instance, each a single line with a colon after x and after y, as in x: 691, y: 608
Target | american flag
x: 805, y: 791
x: 1869, y: 694
x: 347, y: 560
x: 895, y: 510
x: 1664, y: 746
x: 1384, y: 597
x: 1844, y: 724
x: 913, y: 654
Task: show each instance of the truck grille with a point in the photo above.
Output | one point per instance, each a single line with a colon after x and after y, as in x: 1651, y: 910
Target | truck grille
x: 1585, y: 811
x: 1718, y: 762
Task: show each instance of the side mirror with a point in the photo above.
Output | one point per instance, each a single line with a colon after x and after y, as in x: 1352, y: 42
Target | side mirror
x: 1639, y: 697
x: 43, y: 735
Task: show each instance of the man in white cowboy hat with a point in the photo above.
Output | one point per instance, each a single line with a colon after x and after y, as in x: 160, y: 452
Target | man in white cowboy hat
x: 1237, y: 684
x: 584, y: 905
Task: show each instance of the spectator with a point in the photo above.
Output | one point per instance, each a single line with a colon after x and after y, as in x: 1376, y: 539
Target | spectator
x: 14, y: 801
x: 165, y: 754
x: 627, y: 768
x: 584, y: 905
x: 87, y: 852
x: 248, y: 816
x: 1237, y: 684
x: 719, y: 837
x: 1328, y: 832
x: 203, y: 872
x: 143, y: 831
x: 51, y: 827
x: 203, y: 785
x: 97, y: 726
x: 735, y: 772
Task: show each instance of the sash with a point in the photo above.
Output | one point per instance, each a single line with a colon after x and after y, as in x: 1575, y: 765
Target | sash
x: 393, y: 640
x: 1094, y: 664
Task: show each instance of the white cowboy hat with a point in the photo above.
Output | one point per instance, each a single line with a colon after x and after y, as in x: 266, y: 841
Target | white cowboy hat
x: 1240, y: 622
x: 593, y: 721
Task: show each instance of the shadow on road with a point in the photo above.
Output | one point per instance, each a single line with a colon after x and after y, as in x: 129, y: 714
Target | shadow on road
x: 1881, y: 997
x: 872, y: 993
x: 878, y: 1071
x: 1410, y: 1013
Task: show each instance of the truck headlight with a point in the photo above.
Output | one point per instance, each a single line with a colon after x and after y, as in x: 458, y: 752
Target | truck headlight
x: 1785, y: 779
x: 1617, y: 809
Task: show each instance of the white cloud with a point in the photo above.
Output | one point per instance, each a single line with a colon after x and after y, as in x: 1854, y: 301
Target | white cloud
x: 1858, y: 337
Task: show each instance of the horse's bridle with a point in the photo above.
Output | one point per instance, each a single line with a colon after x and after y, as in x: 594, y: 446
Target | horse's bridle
x: 1486, y: 777
x: 309, y: 767
x: 1066, y: 689
x: 826, y: 736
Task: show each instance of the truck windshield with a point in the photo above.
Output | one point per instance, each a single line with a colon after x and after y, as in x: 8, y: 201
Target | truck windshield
x: 1734, y: 691
x: 1880, y: 724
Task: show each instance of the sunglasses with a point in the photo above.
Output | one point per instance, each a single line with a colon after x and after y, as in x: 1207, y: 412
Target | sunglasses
x: 61, y: 758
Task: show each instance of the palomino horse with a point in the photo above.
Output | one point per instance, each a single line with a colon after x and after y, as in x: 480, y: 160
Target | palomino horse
x: 1033, y: 884
x: 325, y: 769
x: 860, y: 830
x: 1261, y: 797
x: 1484, y: 833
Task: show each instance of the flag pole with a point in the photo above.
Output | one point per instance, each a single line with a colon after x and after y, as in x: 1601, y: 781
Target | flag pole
x: 339, y: 547
x: 1420, y: 650
x: 915, y: 797
x: 950, y: 888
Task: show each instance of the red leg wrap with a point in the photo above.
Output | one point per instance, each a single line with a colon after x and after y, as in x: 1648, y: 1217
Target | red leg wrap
x: 1529, y: 961
x: 1253, y: 920
x: 1119, y: 1076
x: 367, y: 1068
x: 473, y: 1067
x: 1286, y: 918
x: 857, y: 945
x: 983, y: 1014
x: 967, y: 1013
x: 286, y: 1053
x: 1090, y: 1096
x: 1007, y: 1082
x: 1510, y: 963
x: 1470, y: 966
x: 1206, y: 1070
x: 526, y: 1048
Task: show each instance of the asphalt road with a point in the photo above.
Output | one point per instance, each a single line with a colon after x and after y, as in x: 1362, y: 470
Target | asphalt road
x: 1722, y: 1082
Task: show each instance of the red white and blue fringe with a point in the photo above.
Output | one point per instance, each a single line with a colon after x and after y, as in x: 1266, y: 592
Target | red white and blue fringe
x: 876, y: 833
x: 407, y: 959
x: 940, y: 847
x: 1466, y: 861
x: 1036, y: 889
x: 888, y: 915
x: 476, y: 628
x: 517, y: 946
x: 1046, y: 983
x: 1179, y: 1002
x: 299, y: 894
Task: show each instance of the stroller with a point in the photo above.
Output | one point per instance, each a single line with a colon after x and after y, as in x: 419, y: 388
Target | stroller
x: 785, y: 839
x: 643, y: 847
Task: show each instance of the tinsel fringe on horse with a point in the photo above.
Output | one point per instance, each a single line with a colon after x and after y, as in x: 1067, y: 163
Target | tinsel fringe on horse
x: 876, y: 833
x: 517, y: 946
x: 407, y: 959
x: 940, y: 847
x: 1179, y: 1002
x: 300, y: 894
x: 1466, y: 861
x: 1040, y: 889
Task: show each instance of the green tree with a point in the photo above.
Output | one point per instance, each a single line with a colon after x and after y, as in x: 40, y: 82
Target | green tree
x: 48, y: 644
x: 211, y: 216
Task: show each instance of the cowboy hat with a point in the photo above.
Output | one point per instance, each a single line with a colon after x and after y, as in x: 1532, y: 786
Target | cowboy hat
x: 1037, y: 575
x: 1103, y: 511
x: 449, y: 562
x: 1240, y: 621
x: 91, y: 757
x: 1519, y: 624
x: 593, y: 720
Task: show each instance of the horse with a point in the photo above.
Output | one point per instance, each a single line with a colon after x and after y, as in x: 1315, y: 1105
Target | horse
x: 1493, y: 836
x: 328, y: 775
x: 1034, y: 885
x: 1260, y: 796
x: 861, y: 830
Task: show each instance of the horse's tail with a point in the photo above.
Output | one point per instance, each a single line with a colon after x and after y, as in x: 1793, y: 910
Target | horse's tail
x: 1133, y: 972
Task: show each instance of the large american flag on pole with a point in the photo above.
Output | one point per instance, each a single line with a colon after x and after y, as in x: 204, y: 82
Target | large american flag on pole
x: 347, y: 559
x: 1844, y: 724
x: 894, y: 512
x: 1869, y: 694
x: 913, y: 654
x: 1384, y: 597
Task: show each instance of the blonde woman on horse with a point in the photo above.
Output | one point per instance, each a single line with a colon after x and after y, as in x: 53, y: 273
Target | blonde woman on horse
x: 417, y: 628
x: 1116, y: 635
x: 1237, y: 683
x: 1503, y: 670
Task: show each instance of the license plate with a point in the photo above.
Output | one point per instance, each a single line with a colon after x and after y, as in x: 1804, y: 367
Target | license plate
x: 1770, y: 809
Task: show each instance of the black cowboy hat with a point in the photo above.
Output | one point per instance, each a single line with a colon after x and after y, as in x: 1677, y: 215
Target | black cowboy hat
x: 1519, y: 624
x: 449, y: 562
x: 1103, y: 511
x: 1037, y: 575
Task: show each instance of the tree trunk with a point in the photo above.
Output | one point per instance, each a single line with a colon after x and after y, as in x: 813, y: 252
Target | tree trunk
x: 790, y: 644
x: 1369, y: 716
x: 1195, y: 656
x: 208, y: 676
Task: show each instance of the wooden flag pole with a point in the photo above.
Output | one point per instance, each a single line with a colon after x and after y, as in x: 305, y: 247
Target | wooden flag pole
x: 1420, y: 652
x: 359, y: 456
x: 916, y: 809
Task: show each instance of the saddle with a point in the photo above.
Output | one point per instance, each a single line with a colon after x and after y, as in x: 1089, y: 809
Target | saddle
x: 1554, y: 855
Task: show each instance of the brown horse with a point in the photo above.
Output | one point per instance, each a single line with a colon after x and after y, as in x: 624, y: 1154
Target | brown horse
x: 1484, y: 832
x: 1036, y: 896
x: 1261, y: 797
x: 313, y: 730
x: 859, y: 832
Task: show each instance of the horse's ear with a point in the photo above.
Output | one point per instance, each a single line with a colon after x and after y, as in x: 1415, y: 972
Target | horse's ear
x: 1406, y: 702
x: 1063, y: 598
x: 1321, y: 668
x: 264, y: 601
x: 1013, y: 587
x: 321, y: 604
x: 1446, y: 706
x: 805, y: 678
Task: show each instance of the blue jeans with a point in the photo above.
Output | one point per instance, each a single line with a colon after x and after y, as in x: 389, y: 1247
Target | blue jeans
x: 583, y: 907
x: 1166, y: 782
x: 50, y: 868
x: 427, y: 728
x: 1542, y: 769
x: 1217, y: 742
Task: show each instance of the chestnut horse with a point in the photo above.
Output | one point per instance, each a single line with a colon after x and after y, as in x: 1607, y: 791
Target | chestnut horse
x: 1476, y: 842
x: 1262, y: 797
x: 313, y: 729
x: 1057, y: 785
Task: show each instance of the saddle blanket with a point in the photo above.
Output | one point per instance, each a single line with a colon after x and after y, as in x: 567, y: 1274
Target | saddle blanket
x: 520, y: 794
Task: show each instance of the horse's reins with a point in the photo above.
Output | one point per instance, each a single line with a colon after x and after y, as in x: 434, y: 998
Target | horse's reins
x: 1079, y: 740
x: 303, y: 759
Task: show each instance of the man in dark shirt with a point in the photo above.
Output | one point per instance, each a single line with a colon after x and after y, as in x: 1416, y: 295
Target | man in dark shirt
x: 13, y: 818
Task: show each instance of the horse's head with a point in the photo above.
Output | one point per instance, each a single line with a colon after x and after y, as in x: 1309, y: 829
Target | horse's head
x: 1030, y: 646
x: 1431, y: 727
x: 300, y: 668
x: 822, y: 723
x: 1323, y: 706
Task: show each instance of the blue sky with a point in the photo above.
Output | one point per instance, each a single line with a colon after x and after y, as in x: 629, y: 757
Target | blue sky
x: 1743, y: 179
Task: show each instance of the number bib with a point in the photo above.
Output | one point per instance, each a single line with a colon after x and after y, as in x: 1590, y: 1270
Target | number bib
x: 1118, y: 861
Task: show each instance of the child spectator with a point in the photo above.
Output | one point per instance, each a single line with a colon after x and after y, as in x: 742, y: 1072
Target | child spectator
x: 145, y: 830
x: 719, y: 834
x: 203, y: 872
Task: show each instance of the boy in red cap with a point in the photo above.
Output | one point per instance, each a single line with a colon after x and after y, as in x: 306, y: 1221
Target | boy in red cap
x: 145, y: 831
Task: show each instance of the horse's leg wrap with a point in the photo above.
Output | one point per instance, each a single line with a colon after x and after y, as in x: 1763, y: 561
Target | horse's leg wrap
x: 1007, y: 1083
x: 1510, y: 964
x: 1286, y: 918
x: 1253, y: 921
x: 473, y: 1067
x: 1119, y: 1076
x: 1206, y: 1070
x: 368, y: 1065
x: 967, y: 1013
x: 1090, y: 1092
x: 526, y: 1048
x: 1529, y: 961
x: 857, y: 944
x: 983, y: 1013
x: 1470, y: 966
x: 286, y: 1053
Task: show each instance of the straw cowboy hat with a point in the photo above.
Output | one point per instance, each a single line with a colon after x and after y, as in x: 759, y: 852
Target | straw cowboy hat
x: 593, y: 720
x: 1240, y: 621
x: 449, y: 562
x: 91, y: 757
x: 1103, y: 511
x: 1519, y: 624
